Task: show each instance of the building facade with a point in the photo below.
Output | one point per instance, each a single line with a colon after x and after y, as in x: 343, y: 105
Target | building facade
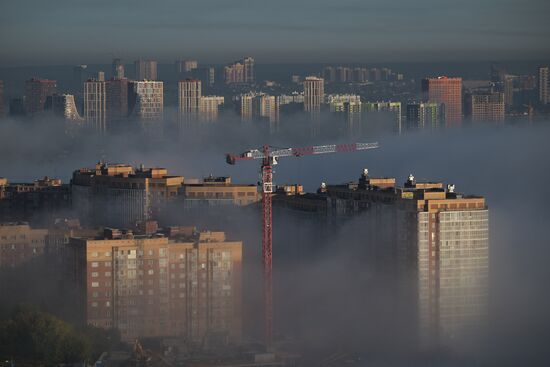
x: 95, y: 110
x: 116, y: 101
x: 19, y: 243
x: 486, y: 107
x: 241, y: 71
x: 423, y: 115
x: 146, y: 100
x: 39, y: 200
x: 389, y: 106
x: 178, y: 284
x: 37, y: 92
x: 119, y: 195
x: 218, y: 191
x: 63, y: 105
x: 314, y: 93
x: 444, y: 241
x: 117, y: 69
x: 145, y: 70
x: 435, y: 241
x: 189, y: 95
x: 2, y: 109
x: 447, y: 92
x: 256, y: 106
x: 544, y: 96
x: 209, y: 107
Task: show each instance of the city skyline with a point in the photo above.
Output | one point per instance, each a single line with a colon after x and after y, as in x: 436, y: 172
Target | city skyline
x: 260, y: 183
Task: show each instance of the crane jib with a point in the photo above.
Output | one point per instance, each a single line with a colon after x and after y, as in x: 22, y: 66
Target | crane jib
x: 298, y: 152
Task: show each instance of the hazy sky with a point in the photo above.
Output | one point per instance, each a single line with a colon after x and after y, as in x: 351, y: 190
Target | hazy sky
x: 91, y: 31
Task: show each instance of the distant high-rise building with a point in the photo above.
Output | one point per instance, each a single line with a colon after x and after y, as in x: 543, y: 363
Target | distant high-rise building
x: 179, y: 282
x: 246, y: 106
x: 209, y: 107
x: 352, y: 113
x: 185, y: 66
x: 314, y: 93
x: 393, y: 107
x: 240, y: 72
x: 207, y: 75
x: 95, y: 112
x: 448, y: 92
x: 116, y: 102
x: 294, y: 97
x: 360, y: 75
x: 497, y: 72
x: 80, y: 75
x: 64, y: 105
x: 256, y: 106
x: 344, y: 74
x: 349, y: 107
x: 189, y: 97
x: 36, y: 93
x: 249, y: 75
x: 101, y: 76
x: 375, y: 74
x: 234, y: 73
x: 509, y: 91
x: 117, y: 69
x: 145, y: 70
x: 544, y: 86
x: 268, y: 107
x: 179, y: 66
x: 329, y: 74
x: 336, y: 101
x: 1, y: 99
x: 423, y: 115
x: 190, y: 65
x: 146, y: 99
x: 486, y: 106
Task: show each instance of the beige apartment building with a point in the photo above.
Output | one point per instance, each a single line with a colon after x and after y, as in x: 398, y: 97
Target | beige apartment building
x: 19, y: 243
x: 182, y: 283
x: 120, y: 195
x: 215, y: 191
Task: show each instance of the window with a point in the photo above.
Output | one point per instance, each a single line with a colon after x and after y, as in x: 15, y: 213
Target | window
x: 95, y: 284
x: 95, y: 264
x: 94, y: 274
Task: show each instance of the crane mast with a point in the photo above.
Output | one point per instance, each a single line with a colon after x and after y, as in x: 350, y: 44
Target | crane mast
x: 269, y: 158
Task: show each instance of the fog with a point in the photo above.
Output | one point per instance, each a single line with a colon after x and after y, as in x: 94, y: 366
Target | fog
x: 325, y: 294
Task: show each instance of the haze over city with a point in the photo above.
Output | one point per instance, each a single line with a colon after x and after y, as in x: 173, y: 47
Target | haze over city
x: 255, y: 183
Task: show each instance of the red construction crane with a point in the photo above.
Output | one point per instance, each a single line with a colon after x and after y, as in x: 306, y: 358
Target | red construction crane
x: 269, y: 159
